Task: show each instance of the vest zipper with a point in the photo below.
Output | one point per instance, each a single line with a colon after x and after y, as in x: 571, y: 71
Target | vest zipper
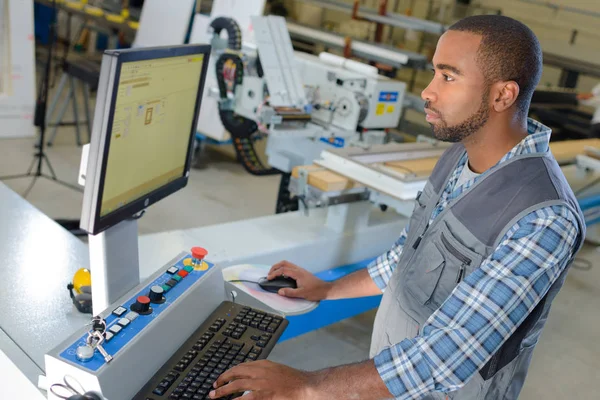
x: 463, y: 259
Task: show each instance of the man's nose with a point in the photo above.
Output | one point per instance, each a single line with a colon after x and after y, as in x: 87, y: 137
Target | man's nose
x: 429, y: 94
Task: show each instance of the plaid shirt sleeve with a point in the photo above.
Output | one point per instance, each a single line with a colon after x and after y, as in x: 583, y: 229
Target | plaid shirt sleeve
x: 381, y: 268
x: 484, y: 310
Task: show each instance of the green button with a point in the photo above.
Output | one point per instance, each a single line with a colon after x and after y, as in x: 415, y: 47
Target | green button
x: 188, y: 268
x: 166, y: 287
x: 177, y: 278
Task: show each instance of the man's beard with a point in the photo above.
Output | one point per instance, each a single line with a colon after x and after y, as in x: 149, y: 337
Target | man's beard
x: 464, y: 129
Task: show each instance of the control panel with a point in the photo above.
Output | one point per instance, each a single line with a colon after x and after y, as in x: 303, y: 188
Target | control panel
x: 128, y: 320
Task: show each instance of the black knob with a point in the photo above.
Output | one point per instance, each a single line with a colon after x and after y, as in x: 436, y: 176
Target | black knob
x: 142, y: 305
x: 156, y: 294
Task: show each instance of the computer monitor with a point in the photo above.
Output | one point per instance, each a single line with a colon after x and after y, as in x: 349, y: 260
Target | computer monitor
x: 145, y: 120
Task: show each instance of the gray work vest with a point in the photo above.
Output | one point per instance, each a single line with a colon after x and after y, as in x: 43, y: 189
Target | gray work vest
x: 437, y: 257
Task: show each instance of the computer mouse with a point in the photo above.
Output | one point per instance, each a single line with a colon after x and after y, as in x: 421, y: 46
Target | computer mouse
x: 274, y: 285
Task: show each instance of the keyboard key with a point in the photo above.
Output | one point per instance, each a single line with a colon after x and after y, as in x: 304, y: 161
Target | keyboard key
x: 272, y: 328
x: 180, y: 367
x: 240, y: 357
x: 159, y: 391
x: 236, y: 335
x: 253, y: 356
x: 187, y: 395
x: 261, y: 343
x: 262, y: 327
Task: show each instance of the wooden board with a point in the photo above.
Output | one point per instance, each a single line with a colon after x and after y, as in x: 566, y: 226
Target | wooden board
x: 325, y: 180
x: 418, y: 167
x: 567, y: 150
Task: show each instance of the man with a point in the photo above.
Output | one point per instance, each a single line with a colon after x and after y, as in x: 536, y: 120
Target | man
x: 469, y: 283
x: 592, y: 99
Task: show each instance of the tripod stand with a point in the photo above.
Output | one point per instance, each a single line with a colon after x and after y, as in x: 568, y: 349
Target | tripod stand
x: 40, y: 121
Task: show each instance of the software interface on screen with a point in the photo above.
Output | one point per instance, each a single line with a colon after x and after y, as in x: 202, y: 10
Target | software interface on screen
x: 153, y: 118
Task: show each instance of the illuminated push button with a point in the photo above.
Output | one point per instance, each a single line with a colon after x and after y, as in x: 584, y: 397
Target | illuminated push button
x: 165, y: 287
x: 182, y: 273
x: 177, y: 278
x: 123, y: 322
x: 189, y: 268
x: 172, y: 282
x: 119, y: 311
x: 172, y: 270
x: 115, y: 329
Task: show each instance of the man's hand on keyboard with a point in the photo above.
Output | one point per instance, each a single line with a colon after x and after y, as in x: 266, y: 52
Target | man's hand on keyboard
x: 265, y: 380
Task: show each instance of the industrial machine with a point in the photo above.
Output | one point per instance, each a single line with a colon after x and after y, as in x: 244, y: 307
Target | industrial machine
x: 144, y: 128
x: 304, y: 103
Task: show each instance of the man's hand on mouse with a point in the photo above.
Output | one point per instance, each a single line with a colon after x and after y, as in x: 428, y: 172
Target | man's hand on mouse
x: 309, y: 287
x: 265, y: 380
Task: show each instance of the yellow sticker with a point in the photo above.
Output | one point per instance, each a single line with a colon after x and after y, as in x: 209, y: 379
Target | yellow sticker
x: 187, y: 262
x: 390, y: 109
x: 380, y: 109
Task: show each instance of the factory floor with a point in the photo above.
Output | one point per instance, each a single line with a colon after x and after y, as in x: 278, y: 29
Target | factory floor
x: 566, y: 363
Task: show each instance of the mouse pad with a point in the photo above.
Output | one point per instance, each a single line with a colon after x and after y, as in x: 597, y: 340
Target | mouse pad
x: 251, y: 273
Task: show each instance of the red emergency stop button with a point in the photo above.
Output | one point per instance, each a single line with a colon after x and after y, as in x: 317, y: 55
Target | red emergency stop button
x: 199, y: 253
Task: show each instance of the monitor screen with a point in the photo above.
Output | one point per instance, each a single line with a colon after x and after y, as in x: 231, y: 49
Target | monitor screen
x: 154, y: 108
x: 140, y: 152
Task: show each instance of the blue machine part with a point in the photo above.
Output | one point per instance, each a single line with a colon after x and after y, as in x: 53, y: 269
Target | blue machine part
x: 331, y: 311
x: 129, y: 332
x: 591, y: 209
x: 334, y: 141
x: 388, y: 97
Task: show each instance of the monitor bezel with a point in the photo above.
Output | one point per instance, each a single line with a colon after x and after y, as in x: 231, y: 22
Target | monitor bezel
x: 98, y: 223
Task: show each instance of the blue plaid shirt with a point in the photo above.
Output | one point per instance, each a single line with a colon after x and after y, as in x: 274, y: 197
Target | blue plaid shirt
x: 486, y: 308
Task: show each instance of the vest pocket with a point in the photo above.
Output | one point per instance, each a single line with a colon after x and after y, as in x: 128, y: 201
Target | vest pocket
x: 425, y: 273
x: 440, y: 264
x: 459, y: 262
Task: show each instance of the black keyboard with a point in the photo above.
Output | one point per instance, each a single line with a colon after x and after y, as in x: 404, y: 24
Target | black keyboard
x: 233, y: 334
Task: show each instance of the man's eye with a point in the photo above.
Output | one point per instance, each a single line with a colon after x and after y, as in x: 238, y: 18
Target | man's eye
x: 447, y: 78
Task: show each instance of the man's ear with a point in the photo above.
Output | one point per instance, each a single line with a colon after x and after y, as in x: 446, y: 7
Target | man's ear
x: 504, y: 95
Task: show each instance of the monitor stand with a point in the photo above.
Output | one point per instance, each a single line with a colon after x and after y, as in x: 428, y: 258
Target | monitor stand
x: 114, y: 263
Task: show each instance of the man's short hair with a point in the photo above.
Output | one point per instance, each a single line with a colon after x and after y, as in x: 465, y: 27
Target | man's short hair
x: 509, y: 51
